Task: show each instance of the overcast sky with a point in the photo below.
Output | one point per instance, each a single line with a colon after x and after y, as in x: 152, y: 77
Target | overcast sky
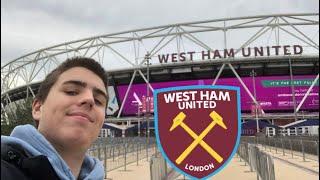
x: 29, y: 25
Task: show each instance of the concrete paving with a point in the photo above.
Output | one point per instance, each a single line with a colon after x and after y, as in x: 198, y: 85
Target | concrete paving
x: 132, y: 172
x: 294, y: 167
x: 286, y: 167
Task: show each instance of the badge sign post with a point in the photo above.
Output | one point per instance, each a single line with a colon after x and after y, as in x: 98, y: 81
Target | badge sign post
x: 198, y: 127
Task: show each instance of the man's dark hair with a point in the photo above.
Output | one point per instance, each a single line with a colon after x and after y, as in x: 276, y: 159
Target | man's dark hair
x: 53, y: 76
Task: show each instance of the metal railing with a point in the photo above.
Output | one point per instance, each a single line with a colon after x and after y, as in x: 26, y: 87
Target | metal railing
x: 258, y: 161
x: 158, y: 167
x: 119, y: 152
x: 115, y: 153
x: 298, y: 146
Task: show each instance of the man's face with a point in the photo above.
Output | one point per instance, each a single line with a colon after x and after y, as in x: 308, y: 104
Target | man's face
x: 74, y: 111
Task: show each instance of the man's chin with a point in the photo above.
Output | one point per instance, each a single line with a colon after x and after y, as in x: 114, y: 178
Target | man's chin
x: 76, y: 138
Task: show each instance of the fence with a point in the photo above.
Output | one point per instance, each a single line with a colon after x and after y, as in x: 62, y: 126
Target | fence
x: 307, y: 149
x: 258, y: 161
x: 158, y: 167
x: 160, y: 170
x: 118, y: 152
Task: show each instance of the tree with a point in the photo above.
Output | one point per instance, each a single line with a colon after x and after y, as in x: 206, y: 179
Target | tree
x: 21, y: 115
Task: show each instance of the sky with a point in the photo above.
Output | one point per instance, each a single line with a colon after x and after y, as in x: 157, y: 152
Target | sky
x: 27, y: 26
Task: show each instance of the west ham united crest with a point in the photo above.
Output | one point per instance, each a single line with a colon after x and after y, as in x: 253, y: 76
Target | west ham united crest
x: 198, y: 127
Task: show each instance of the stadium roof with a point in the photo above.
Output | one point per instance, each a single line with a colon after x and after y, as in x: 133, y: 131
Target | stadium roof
x: 132, y: 57
x: 301, y: 123
x: 253, y: 124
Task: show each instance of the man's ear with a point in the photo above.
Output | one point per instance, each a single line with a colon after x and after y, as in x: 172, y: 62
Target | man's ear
x: 36, y: 109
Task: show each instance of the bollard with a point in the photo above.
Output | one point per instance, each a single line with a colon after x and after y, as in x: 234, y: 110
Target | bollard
x: 99, y: 153
x: 245, y: 158
x: 283, y: 153
x: 250, y: 163
x: 147, y: 150
x: 125, y: 156
x: 165, y: 168
x: 105, y: 160
x: 140, y: 148
x: 302, y: 148
x: 317, y: 146
x: 137, y: 154
x: 269, y: 144
x: 112, y: 153
x: 291, y: 147
x: 257, y: 171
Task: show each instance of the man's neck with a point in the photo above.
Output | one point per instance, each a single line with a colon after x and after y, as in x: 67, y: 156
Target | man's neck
x: 74, y: 160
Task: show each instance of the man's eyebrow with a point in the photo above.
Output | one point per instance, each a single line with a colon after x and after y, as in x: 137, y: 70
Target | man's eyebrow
x: 84, y: 84
x: 75, y: 82
x: 99, y: 91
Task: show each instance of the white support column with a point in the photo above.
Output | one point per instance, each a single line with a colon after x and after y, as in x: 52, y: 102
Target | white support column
x: 5, y: 114
x: 244, y: 86
x: 10, y: 104
x: 293, y: 91
x: 307, y: 93
x: 218, y: 75
x: 144, y: 78
x: 31, y: 91
x: 225, y: 46
x: 127, y: 92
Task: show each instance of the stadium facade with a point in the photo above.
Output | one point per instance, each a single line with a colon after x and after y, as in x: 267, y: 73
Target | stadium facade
x: 274, y: 59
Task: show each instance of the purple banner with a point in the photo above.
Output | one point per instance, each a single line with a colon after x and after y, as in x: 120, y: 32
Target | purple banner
x: 273, y: 92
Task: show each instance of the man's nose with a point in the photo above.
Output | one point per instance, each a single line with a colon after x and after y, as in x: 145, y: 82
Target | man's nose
x: 87, y: 99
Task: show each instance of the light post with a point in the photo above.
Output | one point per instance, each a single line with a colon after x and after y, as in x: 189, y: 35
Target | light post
x: 147, y: 57
x: 139, y: 121
x: 138, y: 115
x: 253, y: 74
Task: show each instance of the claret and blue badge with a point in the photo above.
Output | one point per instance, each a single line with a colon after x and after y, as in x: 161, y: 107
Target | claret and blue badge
x: 198, y: 127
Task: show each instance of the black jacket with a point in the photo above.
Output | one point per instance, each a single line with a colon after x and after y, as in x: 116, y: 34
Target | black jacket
x: 17, y: 164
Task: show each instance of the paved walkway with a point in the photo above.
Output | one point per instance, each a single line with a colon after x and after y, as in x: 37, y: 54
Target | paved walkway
x: 294, y: 167
x: 285, y: 167
x: 132, y: 172
x: 283, y: 171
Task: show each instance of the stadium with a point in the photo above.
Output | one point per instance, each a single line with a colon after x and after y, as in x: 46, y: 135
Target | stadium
x: 274, y: 59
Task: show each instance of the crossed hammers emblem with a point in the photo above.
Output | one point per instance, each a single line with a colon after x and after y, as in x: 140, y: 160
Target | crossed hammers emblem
x: 216, y: 120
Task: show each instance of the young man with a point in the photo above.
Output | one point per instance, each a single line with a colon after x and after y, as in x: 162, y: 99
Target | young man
x: 69, y: 111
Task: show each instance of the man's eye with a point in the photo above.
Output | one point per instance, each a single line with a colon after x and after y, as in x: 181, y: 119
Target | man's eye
x: 71, y: 93
x: 98, y: 102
